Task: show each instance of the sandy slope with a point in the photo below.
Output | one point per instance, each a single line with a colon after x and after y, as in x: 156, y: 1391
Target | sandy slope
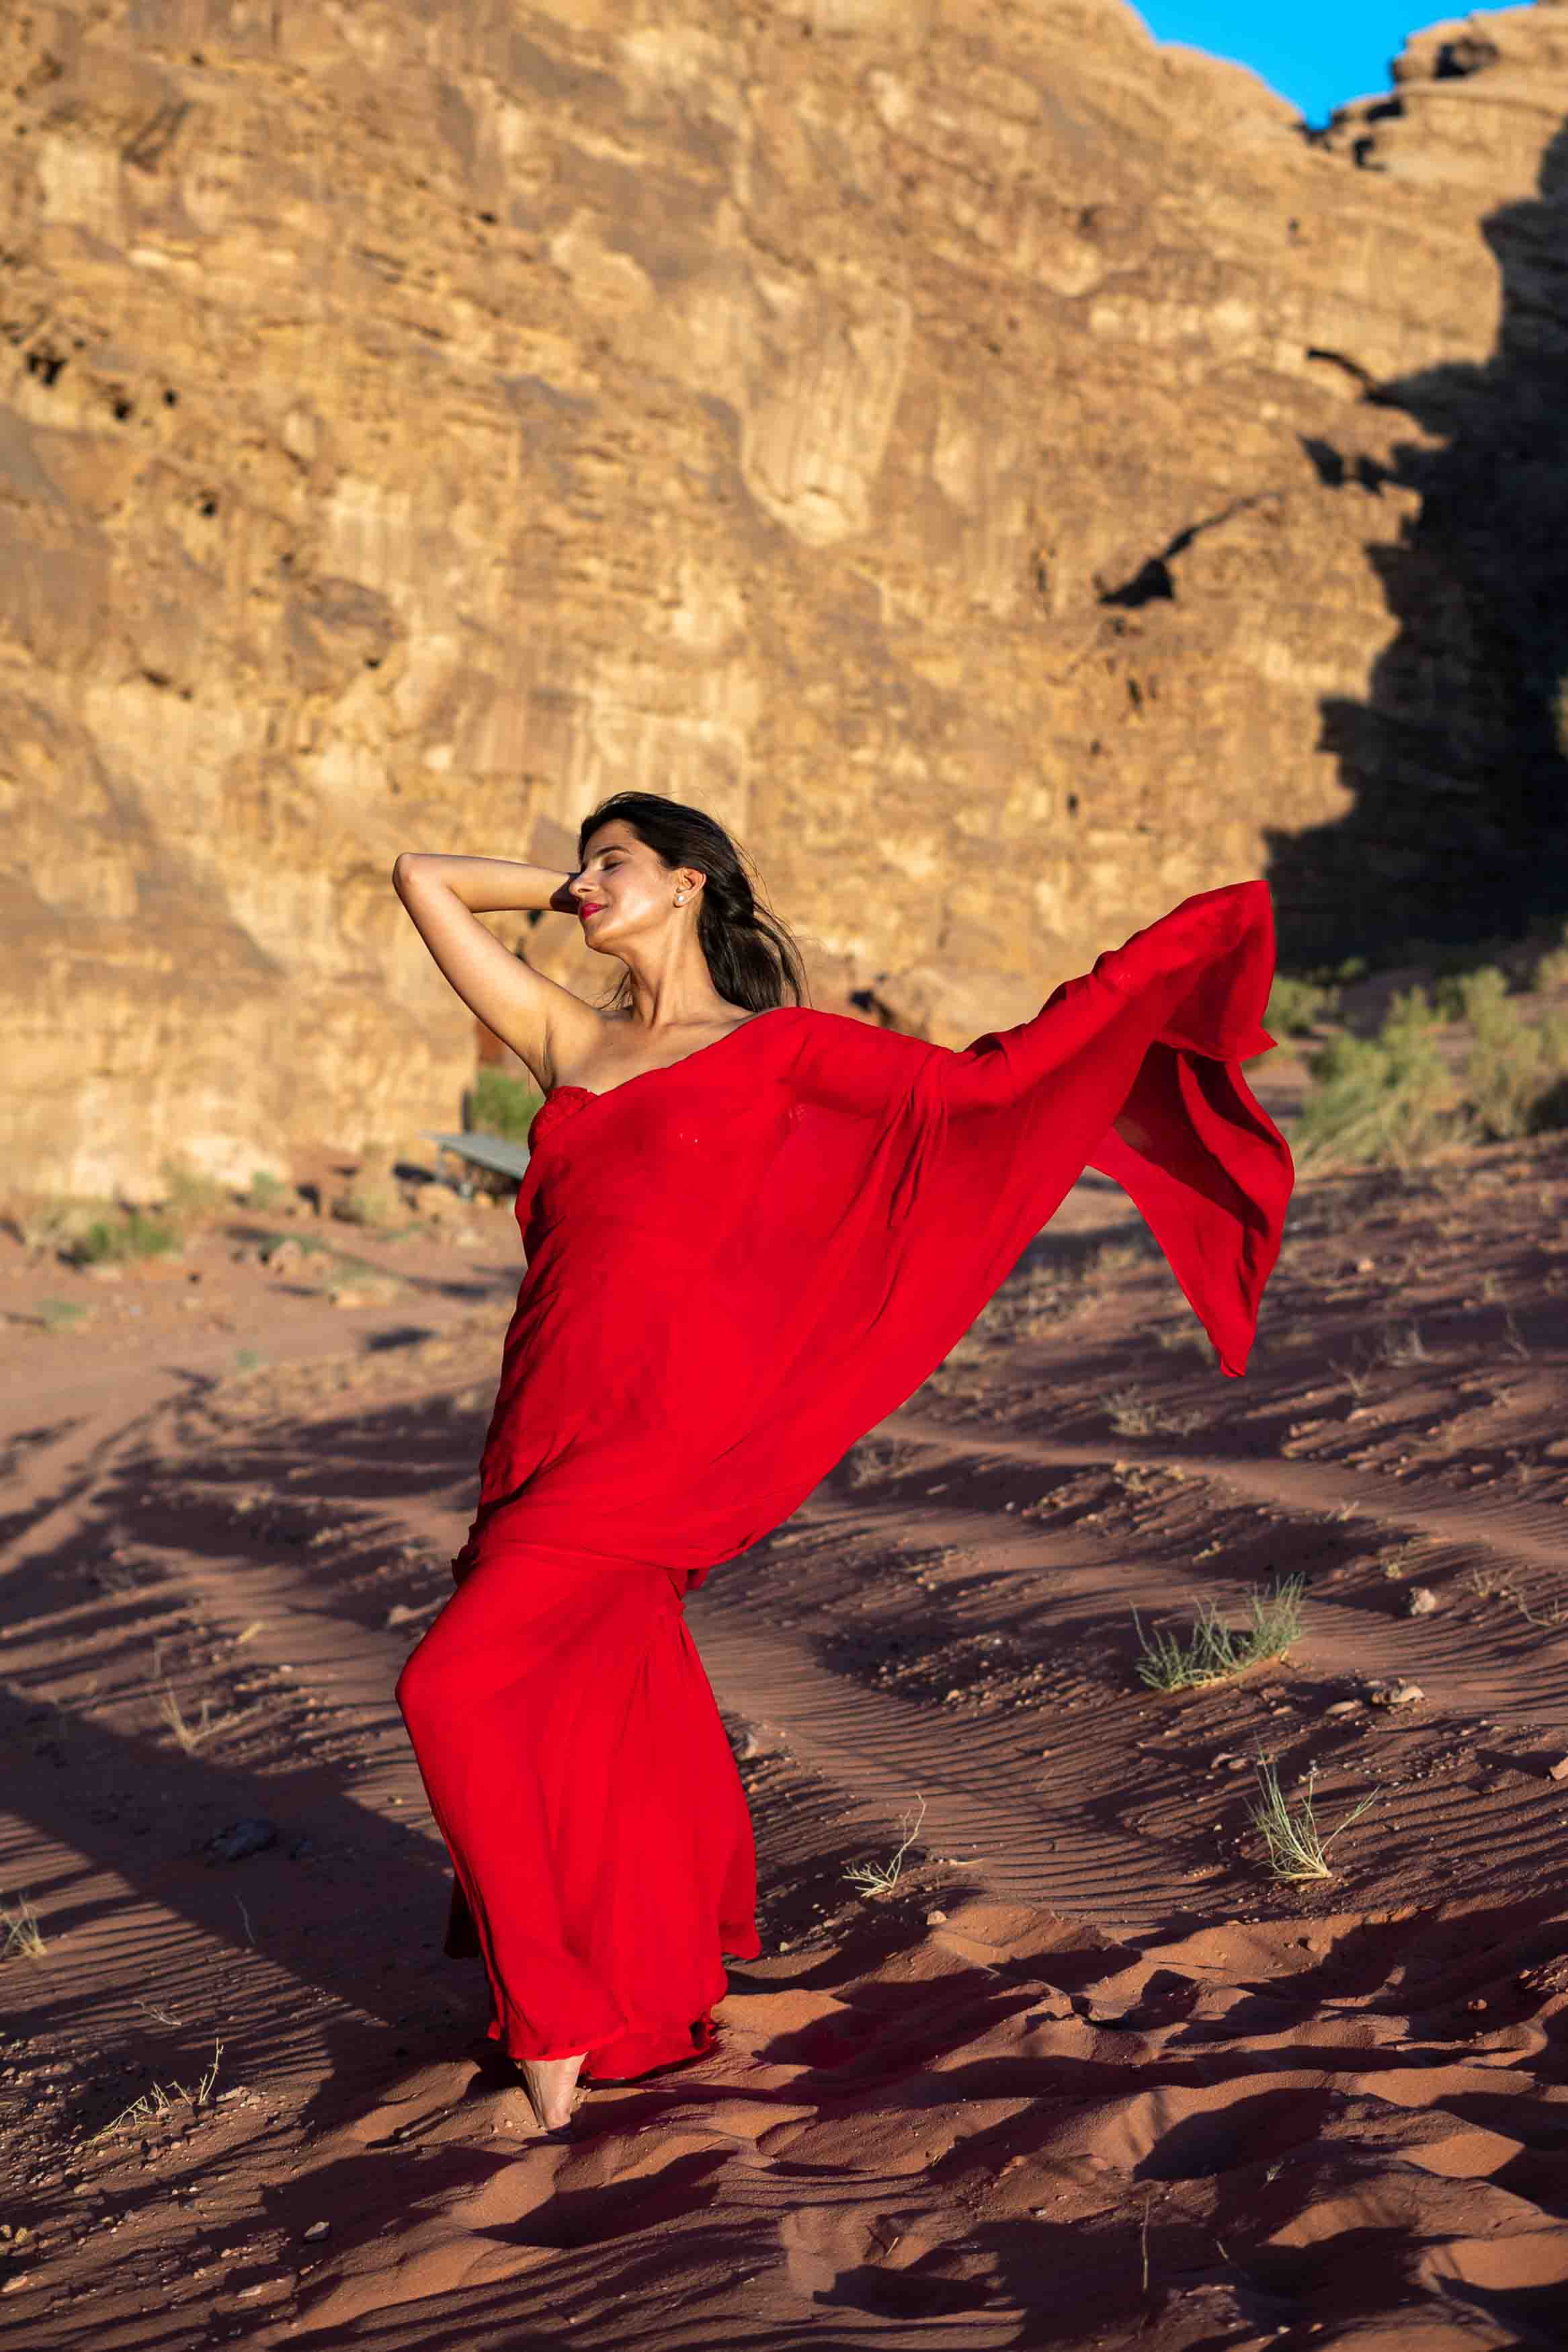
x: 1085, y: 2077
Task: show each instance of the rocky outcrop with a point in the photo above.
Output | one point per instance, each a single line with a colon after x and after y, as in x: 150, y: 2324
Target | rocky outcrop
x: 1008, y: 469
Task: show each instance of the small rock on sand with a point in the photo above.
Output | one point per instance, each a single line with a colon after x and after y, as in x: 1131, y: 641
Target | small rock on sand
x: 1420, y: 1600
x: 374, y: 1290
x: 241, y: 1839
x: 1558, y: 1772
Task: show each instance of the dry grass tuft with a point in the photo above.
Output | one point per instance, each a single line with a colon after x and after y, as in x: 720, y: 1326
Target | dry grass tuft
x: 190, y: 1736
x: 1129, y: 1411
x: 20, y: 1932
x: 1404, y: 1347
x: 1132, y: 1414
x: 1212, y: 1651
x: 882, y: 1878
x: 1489, y: 1584
x: 161, y: 2099
x: 1296, y: 1846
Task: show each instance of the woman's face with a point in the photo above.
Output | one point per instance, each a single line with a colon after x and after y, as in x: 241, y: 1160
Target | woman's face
x: 625, y: 891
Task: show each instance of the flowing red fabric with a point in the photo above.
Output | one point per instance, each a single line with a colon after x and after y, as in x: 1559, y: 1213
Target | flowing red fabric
x: 737, y: 1266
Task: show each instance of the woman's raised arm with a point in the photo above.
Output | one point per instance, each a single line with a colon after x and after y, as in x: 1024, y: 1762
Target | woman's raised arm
x: 445, y: 898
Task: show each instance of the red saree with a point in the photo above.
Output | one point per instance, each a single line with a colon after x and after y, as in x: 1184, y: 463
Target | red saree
x: 737, y: 1266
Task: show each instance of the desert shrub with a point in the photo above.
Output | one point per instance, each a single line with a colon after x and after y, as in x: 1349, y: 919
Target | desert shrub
x: 264, y: 1190
x: 368, y: 1205
x: 187, y: 1190
x: 1552, y: 969
x: 1296, y: 1007
x: 132, y: 1235
x: 53, y: 1225
x: 1514, y: 1064
x: 1448, y: 990
x: 1381, y: 1101
x: 498, y: 1105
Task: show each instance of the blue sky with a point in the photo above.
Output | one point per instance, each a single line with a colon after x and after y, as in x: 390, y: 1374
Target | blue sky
x: 1319, y: 57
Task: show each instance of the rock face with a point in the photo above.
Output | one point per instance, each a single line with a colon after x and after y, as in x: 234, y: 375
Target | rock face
x: 1007, y: 469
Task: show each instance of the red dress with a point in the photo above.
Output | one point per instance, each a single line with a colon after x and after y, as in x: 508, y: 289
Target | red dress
x: 737, y: 1266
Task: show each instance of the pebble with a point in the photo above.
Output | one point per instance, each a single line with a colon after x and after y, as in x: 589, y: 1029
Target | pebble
x: 1558, y: 1772
x: 935, y: 1918
x: 317, y: 2230
x: 1228, y: 1760
x: 242, y: 1839
x: 1343, y: 1706
x: 1398, y: 1694
x: 1420, y: 1600
x: 363, y: 1294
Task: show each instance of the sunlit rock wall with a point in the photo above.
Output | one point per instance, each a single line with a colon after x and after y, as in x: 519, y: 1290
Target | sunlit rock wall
x: 934, y: 437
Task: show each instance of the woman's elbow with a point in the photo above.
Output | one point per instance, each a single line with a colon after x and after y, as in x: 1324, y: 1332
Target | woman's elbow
x: 403, y: 864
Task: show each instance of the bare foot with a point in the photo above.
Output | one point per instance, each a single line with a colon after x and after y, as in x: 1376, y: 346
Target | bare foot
x: 551, y: 2085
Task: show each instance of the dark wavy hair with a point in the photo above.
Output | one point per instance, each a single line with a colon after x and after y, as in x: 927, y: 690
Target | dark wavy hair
x: 751, y: 958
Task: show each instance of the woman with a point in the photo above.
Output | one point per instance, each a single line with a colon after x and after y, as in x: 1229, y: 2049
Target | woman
x: 751, y: 1230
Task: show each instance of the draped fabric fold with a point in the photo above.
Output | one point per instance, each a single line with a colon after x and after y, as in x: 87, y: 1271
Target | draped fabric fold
x: 735, y: 1267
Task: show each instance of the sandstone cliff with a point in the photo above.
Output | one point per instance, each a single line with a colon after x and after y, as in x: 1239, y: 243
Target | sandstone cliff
x: 1007, y: 469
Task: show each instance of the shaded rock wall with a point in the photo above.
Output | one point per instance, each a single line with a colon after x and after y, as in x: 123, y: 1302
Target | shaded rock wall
x: 992, y: 461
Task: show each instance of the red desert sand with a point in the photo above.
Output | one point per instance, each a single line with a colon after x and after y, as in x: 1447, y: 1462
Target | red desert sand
x: 1084, y: 2074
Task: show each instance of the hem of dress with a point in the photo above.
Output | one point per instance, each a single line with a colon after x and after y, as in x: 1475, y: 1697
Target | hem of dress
x: 665, y: 2044
x: 666, y: 2041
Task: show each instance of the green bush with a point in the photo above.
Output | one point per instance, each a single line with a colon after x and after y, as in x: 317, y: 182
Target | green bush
x: 1296, y: 1007
x: 1386, y: 1101
x: 134, y: 1235
x: 1382, y: 1101
x: 1516, y: 1069
x: 498, y: 1105
x: 266, y: 1190
x: 1552, y: 969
